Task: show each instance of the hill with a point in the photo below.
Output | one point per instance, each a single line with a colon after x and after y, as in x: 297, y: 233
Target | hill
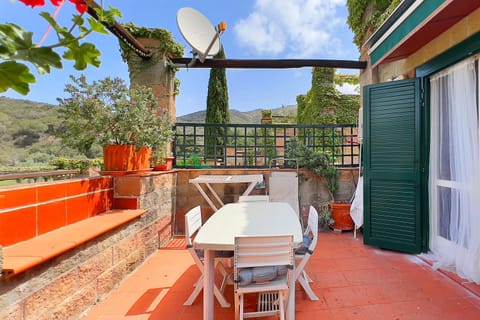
x: 26, y: 131
x: 239, y: 117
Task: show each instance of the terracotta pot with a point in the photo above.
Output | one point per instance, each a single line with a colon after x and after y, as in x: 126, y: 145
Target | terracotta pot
x: 341, y: 215
x: 167, y: 165
x: 126, y: 158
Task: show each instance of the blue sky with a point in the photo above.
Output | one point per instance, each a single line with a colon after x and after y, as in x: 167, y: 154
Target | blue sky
x: 256, y: 29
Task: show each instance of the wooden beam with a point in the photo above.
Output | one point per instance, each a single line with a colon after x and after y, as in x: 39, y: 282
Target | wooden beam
x: 268, y: 63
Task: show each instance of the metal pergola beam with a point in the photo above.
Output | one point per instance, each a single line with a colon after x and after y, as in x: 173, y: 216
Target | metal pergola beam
x: 268, y: 63
x: 121, y: 33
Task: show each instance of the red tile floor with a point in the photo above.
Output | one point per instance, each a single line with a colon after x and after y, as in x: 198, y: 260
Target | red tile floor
x: 352, y: 280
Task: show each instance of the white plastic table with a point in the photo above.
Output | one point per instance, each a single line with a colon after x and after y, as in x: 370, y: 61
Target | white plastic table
x: 208, y: 180
x: 244, y: 219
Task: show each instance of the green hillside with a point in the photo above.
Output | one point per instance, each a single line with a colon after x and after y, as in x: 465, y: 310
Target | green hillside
x: 26, y: 131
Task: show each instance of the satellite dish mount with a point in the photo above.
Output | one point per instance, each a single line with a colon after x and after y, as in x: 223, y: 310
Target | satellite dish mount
x: 199, y: 33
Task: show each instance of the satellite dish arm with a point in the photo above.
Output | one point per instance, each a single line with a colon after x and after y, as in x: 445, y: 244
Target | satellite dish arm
x: 220, y: 28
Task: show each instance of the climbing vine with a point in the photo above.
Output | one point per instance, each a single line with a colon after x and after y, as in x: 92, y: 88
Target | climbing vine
x: 324, y: 104
x: 167, y: 48
x: 361, y: 19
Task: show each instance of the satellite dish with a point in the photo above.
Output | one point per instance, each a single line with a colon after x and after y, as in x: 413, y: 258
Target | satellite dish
x: 199, y: 33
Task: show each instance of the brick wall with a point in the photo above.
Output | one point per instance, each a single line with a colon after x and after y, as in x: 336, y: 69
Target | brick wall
x: 68, y: 285
x: 311, y: 190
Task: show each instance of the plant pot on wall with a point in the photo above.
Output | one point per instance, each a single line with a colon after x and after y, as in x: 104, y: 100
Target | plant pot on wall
x: 126, y: 158
x: 341, y: 216
x: 166, y: 165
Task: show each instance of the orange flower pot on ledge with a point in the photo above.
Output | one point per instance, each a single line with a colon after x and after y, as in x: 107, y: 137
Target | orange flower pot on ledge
x: 167, y: 165
x: 126, y: 158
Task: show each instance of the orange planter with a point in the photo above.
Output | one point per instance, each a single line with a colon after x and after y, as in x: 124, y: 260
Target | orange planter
x: 341, y: 215
x: 126, y: 158
x: 167, y: 165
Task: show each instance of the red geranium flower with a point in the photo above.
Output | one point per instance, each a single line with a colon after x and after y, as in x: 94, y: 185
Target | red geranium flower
x: 33, y: 3
x: 56, y: 3
x: 80, y: 5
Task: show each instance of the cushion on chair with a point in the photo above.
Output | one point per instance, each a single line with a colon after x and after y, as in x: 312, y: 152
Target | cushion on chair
x: 260, y: 274
x: 218, y: 254
x: 306, y: 243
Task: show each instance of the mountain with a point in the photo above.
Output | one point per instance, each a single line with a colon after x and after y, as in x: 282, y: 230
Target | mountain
x: 240, y: 117
x: 26, y: 130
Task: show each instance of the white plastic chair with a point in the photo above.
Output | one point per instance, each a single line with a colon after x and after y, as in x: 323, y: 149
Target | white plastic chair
x: 254, y: 198
x: 283, y: 185
x: 193, y: 222
x: 300, y: 274
x: 263, y: 251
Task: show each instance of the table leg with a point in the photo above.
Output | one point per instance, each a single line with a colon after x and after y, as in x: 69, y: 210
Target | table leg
x: 249, y: 188
x: 208, y: 281
x: 205, y: 196
x: 216, y: 196
x: 290, y: 314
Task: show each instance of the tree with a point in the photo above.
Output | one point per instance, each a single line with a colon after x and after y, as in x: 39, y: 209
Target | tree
x: 217, y: 109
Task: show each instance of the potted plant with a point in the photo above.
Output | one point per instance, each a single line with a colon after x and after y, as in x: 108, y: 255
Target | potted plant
x: 124, y: 121
x: 322, y: 164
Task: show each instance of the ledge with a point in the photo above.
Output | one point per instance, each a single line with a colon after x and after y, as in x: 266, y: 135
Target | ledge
x: 27, y: 254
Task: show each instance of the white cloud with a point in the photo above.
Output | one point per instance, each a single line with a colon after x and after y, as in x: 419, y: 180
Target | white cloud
x: 296, y: 28
x: 347, y: 88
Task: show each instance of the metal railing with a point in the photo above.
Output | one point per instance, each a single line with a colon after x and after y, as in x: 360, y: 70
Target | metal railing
x: 198, y: 145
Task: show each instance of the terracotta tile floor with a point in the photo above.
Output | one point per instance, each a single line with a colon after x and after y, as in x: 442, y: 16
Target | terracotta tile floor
x: 353, y: 281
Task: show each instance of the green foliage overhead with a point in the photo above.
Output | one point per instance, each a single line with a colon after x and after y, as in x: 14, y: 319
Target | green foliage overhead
x: 359, y: 22
x: 17, y: 49
x: 168, y: 46
x: 217, y: 106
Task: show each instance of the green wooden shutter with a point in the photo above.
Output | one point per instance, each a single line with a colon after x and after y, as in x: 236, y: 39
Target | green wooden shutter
x: 392, y: 207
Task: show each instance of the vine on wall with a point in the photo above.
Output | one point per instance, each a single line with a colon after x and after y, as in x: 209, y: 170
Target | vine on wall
x: 167, y: 48
x: 368, y: 15
x: 324, y: 104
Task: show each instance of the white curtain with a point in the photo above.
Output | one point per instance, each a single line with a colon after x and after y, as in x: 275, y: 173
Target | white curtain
x: 455, y: 170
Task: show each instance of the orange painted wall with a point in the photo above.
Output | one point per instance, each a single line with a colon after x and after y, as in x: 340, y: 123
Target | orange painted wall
x: 27, y: 211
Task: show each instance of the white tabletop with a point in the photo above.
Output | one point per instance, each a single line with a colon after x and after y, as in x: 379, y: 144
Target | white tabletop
x: 248, y: 218
x: 243, y: 178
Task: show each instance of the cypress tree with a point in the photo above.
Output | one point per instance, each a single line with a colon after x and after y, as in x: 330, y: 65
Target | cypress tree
x: 217, y: 109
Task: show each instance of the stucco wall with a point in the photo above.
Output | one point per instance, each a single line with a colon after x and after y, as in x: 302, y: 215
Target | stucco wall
x: 405, y: 68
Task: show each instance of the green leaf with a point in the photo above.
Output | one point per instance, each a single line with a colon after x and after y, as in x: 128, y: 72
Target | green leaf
x: 13, y: 37
x: 97, y: 26
x: 58, y: 29
x: 42, y: 58
x: 16, y: 44
x: 15, y: 76
x: 83, y: 55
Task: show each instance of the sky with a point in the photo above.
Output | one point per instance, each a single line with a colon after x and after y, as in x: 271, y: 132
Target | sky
x: 256, y: 29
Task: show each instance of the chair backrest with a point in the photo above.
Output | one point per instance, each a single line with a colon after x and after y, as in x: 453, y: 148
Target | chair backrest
x: 193, y: 222
x: 258, y: 251
x: 254, y: 198
x: 312, y: 227
x: 283, y: 187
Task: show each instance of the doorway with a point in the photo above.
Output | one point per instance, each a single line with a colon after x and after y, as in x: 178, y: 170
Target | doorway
x: 454, y: 173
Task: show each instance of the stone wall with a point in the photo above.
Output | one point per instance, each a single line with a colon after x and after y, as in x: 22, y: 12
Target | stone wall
x: 154, y: 192
x: 67, y: 286
x: 311, y: 190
